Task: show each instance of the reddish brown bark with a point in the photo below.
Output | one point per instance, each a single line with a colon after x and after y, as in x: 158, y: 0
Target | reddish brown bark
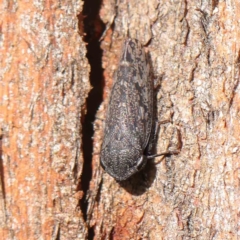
x: 44, y: 84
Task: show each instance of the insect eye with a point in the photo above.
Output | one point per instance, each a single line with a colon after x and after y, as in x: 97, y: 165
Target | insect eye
x: 141, y: 163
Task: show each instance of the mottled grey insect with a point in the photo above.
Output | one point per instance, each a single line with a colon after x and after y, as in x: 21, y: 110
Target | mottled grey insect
x: 129, y: 119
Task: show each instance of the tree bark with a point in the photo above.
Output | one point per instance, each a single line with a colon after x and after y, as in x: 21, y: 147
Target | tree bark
x: 194, y: 52
x: 44, y: 82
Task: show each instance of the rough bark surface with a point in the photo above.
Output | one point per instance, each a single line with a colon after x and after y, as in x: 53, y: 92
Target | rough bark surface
x: 194, y: 49
x: 44, y: 81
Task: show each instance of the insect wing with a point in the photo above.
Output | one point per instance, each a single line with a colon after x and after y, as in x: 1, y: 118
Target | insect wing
x: 130, y: 106
x: 129, y: 116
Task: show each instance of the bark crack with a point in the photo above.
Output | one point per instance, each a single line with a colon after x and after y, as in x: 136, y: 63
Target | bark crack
x: 93, y: 28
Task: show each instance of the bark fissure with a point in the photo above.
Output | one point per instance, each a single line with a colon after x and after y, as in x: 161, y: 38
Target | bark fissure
x: 93, y: 27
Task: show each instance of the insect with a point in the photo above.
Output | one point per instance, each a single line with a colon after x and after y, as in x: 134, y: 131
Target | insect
x: 129, y: 119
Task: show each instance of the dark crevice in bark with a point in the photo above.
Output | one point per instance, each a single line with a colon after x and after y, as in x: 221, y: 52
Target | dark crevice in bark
x: 111, y: 237
x: 2, y: 186
x: 93, y: 28
x: 91, y: 233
